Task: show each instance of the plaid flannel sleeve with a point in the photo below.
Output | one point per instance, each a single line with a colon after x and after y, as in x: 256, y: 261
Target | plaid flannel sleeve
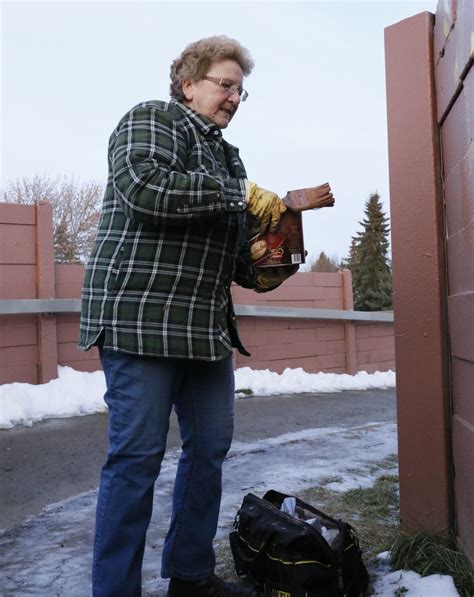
x: 148, y: 158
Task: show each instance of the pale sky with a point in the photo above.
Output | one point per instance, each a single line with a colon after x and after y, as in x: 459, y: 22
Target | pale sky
x: 316, y: 110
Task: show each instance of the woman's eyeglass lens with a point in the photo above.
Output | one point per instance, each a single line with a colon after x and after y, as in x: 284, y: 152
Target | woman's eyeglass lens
x: 229, y: 88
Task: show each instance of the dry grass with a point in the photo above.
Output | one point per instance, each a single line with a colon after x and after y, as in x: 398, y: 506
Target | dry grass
x: 373, y: 512
x: 432, y: 554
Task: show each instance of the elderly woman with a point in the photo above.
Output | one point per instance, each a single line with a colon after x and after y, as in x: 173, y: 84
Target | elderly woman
x: 157, y: 303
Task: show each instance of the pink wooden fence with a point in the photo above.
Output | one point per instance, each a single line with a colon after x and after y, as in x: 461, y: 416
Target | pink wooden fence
x: 332, y: 346
x: 32, y: 346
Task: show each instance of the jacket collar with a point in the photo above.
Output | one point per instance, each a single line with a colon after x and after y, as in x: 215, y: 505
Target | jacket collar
x: 201, y: 122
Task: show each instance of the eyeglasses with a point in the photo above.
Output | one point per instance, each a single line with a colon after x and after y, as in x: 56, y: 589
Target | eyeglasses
x: 229, y: 88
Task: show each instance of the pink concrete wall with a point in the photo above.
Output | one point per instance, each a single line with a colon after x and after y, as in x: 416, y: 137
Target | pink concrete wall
x: 31, y: 347
x: 375, y: 347
x: 454, y: 75
x: 277, y: 343
x: 68, y: 285
x: 313, y: 344
x: 305, y: 290
x: 18, y: 349
x: 18, y: 335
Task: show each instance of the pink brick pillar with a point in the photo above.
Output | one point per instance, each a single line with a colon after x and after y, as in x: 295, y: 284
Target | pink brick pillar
x: 45, y: 288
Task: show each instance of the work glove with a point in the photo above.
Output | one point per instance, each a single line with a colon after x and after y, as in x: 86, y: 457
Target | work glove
x: 268, y: 278
x: 264, y: 205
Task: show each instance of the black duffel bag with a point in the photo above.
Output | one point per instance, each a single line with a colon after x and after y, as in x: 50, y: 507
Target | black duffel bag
x: 289, y: 557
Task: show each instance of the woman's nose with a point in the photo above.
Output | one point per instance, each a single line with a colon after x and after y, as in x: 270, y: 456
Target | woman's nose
x: 234, y: 98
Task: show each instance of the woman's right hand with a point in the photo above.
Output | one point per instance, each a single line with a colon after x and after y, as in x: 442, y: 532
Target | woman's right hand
x: 264, y: 205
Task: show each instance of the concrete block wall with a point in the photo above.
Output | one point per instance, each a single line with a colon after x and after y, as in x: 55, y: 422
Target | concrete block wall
x: 454, y: 76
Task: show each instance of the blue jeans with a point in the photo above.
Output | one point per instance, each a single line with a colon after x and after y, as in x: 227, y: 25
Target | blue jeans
x: 141, y: 392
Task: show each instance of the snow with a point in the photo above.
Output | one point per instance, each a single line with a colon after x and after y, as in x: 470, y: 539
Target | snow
x: 73, y: 393
x: 294, y: 381
x: 76, y: 393
x: 428, y: 586
x: 411, y: 584
x: 50, y: 554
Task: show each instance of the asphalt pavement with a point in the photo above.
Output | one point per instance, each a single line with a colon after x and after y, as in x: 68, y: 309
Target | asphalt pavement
x: 60, y: 458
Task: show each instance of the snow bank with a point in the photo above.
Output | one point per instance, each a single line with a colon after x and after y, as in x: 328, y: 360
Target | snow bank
x: 73, y: 393
x: 295, y: 381
x: 76, y: 393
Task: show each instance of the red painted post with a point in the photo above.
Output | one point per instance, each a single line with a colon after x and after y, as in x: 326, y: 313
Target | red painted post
x: 349, y: 328
x: 45, y: 288
x: 418, y: 278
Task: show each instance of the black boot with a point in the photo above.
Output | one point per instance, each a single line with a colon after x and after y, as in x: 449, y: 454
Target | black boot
x: 208, y: 587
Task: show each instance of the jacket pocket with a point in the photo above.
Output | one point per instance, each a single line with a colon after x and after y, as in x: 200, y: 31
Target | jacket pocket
x: 116, y: 269
x: 224, y: 338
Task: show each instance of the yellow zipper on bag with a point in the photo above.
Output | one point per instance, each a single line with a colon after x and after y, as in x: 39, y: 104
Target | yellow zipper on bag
x: 285, y: 562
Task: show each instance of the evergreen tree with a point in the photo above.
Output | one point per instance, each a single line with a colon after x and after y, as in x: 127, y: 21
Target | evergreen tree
x: 325, y: 264
x: 352, y: 260
x: 368, y: 260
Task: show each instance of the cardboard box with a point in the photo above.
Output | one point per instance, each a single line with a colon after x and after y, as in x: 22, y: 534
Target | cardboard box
x: 285, y: 246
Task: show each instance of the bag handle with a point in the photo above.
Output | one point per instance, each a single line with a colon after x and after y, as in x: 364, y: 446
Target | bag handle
x: 276, y: 498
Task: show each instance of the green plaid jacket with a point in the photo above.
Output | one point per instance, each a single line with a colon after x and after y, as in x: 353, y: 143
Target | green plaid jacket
x: 171, y: 239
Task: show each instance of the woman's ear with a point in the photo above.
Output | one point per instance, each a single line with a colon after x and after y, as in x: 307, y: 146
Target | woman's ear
x: 188, y: 89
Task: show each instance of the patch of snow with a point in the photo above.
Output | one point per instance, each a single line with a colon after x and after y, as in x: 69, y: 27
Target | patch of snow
x: 411, y: 584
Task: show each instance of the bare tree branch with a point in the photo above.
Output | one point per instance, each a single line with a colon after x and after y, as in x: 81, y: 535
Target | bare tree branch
x: 76, y: 210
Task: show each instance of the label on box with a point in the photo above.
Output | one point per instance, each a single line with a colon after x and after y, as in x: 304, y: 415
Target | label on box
x: 280, y: 248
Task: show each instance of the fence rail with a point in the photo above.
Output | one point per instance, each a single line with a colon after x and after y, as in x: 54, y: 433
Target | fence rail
x: 51, y: 306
